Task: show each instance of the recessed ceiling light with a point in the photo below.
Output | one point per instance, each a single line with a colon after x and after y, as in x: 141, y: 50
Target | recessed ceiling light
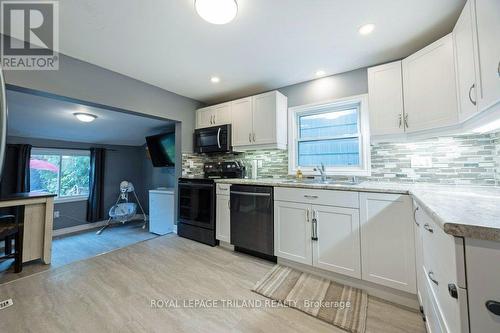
x: 216, y: 11
x: 85, y: 117
x: 320, y: 72
x: 366, y: 29
x: 215, y: 79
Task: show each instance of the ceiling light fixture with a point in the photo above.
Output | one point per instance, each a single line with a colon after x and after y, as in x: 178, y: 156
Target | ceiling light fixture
x: 366, y: 29
x: 216, y: 11
x: 85, y: 117
x: 214, y: 79
x: 320, y: 73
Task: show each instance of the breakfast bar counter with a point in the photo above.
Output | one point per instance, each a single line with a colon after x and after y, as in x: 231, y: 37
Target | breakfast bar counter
x: 38, y: 221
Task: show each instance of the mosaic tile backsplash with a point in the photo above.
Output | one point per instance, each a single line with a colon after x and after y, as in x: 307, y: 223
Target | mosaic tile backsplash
x: 466, y: 159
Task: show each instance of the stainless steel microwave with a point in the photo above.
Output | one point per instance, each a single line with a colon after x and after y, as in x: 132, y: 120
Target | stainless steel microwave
x: 216, y: 139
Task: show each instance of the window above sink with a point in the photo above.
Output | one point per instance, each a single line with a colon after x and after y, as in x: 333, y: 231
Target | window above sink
x: 334, y: 134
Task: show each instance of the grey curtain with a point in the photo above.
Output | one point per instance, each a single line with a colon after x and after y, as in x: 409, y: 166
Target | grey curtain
x: 95, y: 203
x: 16, y: 170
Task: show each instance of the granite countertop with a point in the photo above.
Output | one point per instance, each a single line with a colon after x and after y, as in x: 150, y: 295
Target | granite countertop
x: 462, y: 211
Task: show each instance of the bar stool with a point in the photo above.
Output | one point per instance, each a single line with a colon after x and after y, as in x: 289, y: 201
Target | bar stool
x: 11, y: 227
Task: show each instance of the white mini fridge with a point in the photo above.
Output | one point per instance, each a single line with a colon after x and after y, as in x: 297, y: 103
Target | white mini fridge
x: 161, y: 211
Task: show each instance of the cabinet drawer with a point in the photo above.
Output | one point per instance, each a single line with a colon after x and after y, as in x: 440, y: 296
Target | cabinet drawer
x: 318, y: 197
x: 444, y: 266
x: 223, y: 189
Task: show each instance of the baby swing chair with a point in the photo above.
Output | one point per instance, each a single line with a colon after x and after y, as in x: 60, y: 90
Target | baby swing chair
x: 123, y: 210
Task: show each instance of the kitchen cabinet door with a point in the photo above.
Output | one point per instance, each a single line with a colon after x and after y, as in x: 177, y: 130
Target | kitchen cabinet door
x: 429, y: 86
x: 222, y: 114
x: 387, y: 240
x: 419, y: 257
x: 204, y: 117
x: 385, y: 93
x: 292, y: 231
x: 264, y: 118
x: 464, y: 63
x: 337, y: 247
x: 487, y: 14
x: 241, y: 112
x: 222, y: 219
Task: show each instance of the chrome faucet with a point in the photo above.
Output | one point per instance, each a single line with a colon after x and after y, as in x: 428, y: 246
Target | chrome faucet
x: 322, y: 172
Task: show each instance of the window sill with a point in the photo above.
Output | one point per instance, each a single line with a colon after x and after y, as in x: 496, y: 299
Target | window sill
x: 70, y: 199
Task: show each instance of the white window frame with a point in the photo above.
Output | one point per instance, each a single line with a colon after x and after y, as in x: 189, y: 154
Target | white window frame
x: 364, y: 169
x: 63, y: 152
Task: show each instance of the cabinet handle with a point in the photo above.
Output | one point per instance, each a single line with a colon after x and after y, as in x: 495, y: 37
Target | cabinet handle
x: 307, y: 214
x: 253, y: 137
x: 249, y: 137
x: 431, y: 277
x: 470, y: 91
x: 498, y: 69
x: 493, y: 307
x: 406, y: 121
x: 314, y: 226
x: 229, y: 204
x: 415, y: 216
x: 310, y: 196
x: 400, y: 120
x: 452, y: 290
x: 428, y: 228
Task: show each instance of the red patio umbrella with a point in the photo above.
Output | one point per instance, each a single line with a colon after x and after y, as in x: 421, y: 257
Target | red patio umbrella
x: 43, y: 165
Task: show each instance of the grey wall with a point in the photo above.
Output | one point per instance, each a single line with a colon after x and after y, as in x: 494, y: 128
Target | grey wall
x: 86, y: 82
x: 121, y: 163
x: 327, y: 88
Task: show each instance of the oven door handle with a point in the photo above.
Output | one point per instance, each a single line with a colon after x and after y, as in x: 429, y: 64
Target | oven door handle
x: 218, y: 138
x: 195, y: 185
x: 251, y: 194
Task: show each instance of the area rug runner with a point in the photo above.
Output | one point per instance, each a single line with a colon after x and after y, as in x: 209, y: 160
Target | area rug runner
x: 339, y: 305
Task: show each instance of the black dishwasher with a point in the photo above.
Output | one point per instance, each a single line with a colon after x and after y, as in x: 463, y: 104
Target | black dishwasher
x: 252, y: 220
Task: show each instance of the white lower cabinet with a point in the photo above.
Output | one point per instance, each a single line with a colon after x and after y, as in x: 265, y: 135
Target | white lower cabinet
x: 387, y: 240
x: 337, y: 246
x: 292, y: 231
x: 223, y: 218
x: 441, y: 277
x: 326, y: 237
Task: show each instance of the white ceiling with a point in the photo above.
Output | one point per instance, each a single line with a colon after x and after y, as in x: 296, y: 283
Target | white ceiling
x: 32, y: 116
x: 270, y: 44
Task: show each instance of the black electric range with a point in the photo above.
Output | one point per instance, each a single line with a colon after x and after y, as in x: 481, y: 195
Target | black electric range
x: 196, y: 201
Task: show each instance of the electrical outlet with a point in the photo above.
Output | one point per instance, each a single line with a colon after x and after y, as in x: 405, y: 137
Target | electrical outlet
x: 6, y: 303
x: 191, y: 164
x: 56, y: 214
x: 421, y: 162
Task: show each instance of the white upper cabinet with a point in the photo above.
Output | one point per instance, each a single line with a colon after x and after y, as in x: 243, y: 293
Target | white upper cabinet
x: 385, y: 87
x: 204, y: 117
x: 487, y: 31
x: 429, y: 85
x: 242, y: 128
x: 260, y: 121
x: 387, y: 240
x: 464, y: 63
x: 222, y: 114
x: 213, y: 115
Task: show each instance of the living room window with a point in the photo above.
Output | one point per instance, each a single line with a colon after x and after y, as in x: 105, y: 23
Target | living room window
x: 334, y: 134
x: 60, y: 171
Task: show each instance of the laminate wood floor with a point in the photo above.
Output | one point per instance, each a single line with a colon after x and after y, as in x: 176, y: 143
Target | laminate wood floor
x: 79, y: 246
x: 113, y: 293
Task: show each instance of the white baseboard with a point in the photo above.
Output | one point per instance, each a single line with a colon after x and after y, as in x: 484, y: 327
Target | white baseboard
x: 87, y: 226
x: 77, y: 228
x: 392, y: 295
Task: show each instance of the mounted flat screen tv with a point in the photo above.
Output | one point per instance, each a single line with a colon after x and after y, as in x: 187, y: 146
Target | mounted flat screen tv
x: 162, y: 149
